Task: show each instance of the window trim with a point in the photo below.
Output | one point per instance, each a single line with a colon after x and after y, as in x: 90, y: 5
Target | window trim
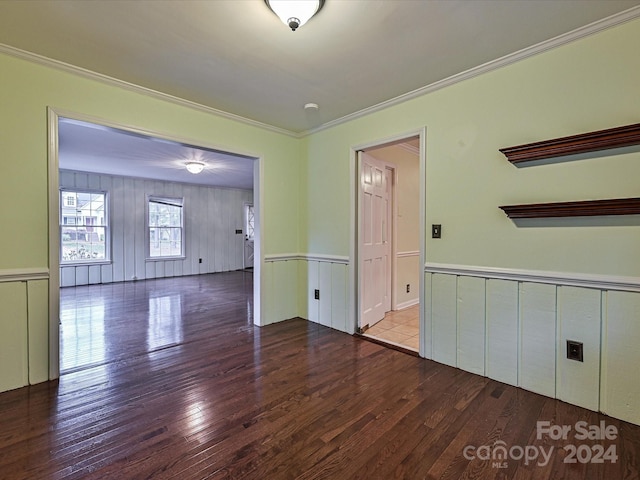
x: 177, y: 202
x: 107, y: 228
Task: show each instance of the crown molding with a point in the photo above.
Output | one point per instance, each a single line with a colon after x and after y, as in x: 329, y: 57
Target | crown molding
x: 105, y: 79
x: 585, y: 31
x: 409, y: 148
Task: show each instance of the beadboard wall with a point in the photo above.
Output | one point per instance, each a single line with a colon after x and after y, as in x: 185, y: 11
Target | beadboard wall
x: 290, y: 280
x: 212, y: 216
x: 24, y: 340
x: 515, y: 331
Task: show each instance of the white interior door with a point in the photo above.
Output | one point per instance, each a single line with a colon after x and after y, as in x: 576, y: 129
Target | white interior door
x: 375, y: 240
x: 249, y: 230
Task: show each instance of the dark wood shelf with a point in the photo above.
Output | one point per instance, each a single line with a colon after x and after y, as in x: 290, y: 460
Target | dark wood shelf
x: 576, y: 145
x: 590, y: 208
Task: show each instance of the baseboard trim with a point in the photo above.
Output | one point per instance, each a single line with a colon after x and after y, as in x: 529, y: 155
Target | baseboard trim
x: 600, y: 282
x: 407, y: 304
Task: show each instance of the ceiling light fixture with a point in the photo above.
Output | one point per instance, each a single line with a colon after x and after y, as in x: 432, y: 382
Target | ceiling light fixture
x: 194, y: 167
x: 295, y: 13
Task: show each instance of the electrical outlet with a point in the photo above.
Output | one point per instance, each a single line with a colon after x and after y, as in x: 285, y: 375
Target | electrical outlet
x: 238, y: 232
x: 408, y: 287
x: 199, y: 260
x: 575, y: 350
x: 316, y: 294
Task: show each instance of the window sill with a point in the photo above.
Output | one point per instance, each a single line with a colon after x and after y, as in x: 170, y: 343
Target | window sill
x: 87, y: 263
x: 162, y: 259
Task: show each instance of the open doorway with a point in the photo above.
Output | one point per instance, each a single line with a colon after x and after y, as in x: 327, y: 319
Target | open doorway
x: 249, y: 235
x: 138, y: 214
x: 389, y: 253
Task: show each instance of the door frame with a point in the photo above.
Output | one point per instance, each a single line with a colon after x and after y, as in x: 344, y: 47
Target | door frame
x: 53, y: 163
x: 355, y: 234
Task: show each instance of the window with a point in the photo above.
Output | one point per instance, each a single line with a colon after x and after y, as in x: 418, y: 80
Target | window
x: 165, y: 226
x: 83, y: 227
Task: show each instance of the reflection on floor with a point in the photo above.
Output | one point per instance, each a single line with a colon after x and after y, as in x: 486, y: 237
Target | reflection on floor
x: 399, y: 328
x: 113, y: 322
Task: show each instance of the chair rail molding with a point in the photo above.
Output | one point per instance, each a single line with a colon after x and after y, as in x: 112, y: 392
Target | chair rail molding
x: 24, y: 274
x: 601, y: 282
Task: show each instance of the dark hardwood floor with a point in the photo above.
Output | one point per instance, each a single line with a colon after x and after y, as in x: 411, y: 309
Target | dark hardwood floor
x: 178, y: 384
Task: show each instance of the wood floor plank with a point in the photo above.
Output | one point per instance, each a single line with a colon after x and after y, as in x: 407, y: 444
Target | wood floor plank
x: 169, y: 379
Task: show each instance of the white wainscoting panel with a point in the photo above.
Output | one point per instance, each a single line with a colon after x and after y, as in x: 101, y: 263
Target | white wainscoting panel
x: 443, y: 318
x: 324, y: 284
x: 579, y: 319
x: 526, y: 325
x: 426, y: 333
x: 313, y: 282
x: 280, y: 300
x: 339, y: 297
x: 303, y: 289
x: 308, y: 273
x: 95, y: 274
x: 330, y: 276
x: 620, y: 385
x: 24, y: 327
x: 117, y: 230
x: 212, y: 216
x: 502, y: 331
x: 537, y: 363
x: 14, y: 366
x: 471, y: 324
x: 38, y: 325
x: 82, y: 275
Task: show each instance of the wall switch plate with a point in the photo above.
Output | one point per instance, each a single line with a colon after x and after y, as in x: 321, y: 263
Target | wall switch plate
x: 238, y: 232
x: 574, y: 350
x: 408, y: 287
x: 436, y: 230
x: 316, y: 294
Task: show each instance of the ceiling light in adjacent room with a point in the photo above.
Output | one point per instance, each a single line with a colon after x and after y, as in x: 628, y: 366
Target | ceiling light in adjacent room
x: 195, y: 167
x: 295, y: 13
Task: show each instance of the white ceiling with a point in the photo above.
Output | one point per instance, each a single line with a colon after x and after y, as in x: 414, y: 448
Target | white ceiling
x: 235, y: 56
x: 93, y: 148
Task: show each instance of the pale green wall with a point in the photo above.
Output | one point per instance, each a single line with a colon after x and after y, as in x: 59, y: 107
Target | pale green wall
x: 588, y: 85
x: 27, y: 89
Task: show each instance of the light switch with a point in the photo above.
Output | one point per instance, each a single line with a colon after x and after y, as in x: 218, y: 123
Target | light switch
x: 436, y: 231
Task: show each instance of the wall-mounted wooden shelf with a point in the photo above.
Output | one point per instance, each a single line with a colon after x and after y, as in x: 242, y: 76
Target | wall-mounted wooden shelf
x: 577, y: 146
x: 591, y: 208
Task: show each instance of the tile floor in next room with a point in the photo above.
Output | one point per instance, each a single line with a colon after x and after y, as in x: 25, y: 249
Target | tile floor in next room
x: 398, y: 327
